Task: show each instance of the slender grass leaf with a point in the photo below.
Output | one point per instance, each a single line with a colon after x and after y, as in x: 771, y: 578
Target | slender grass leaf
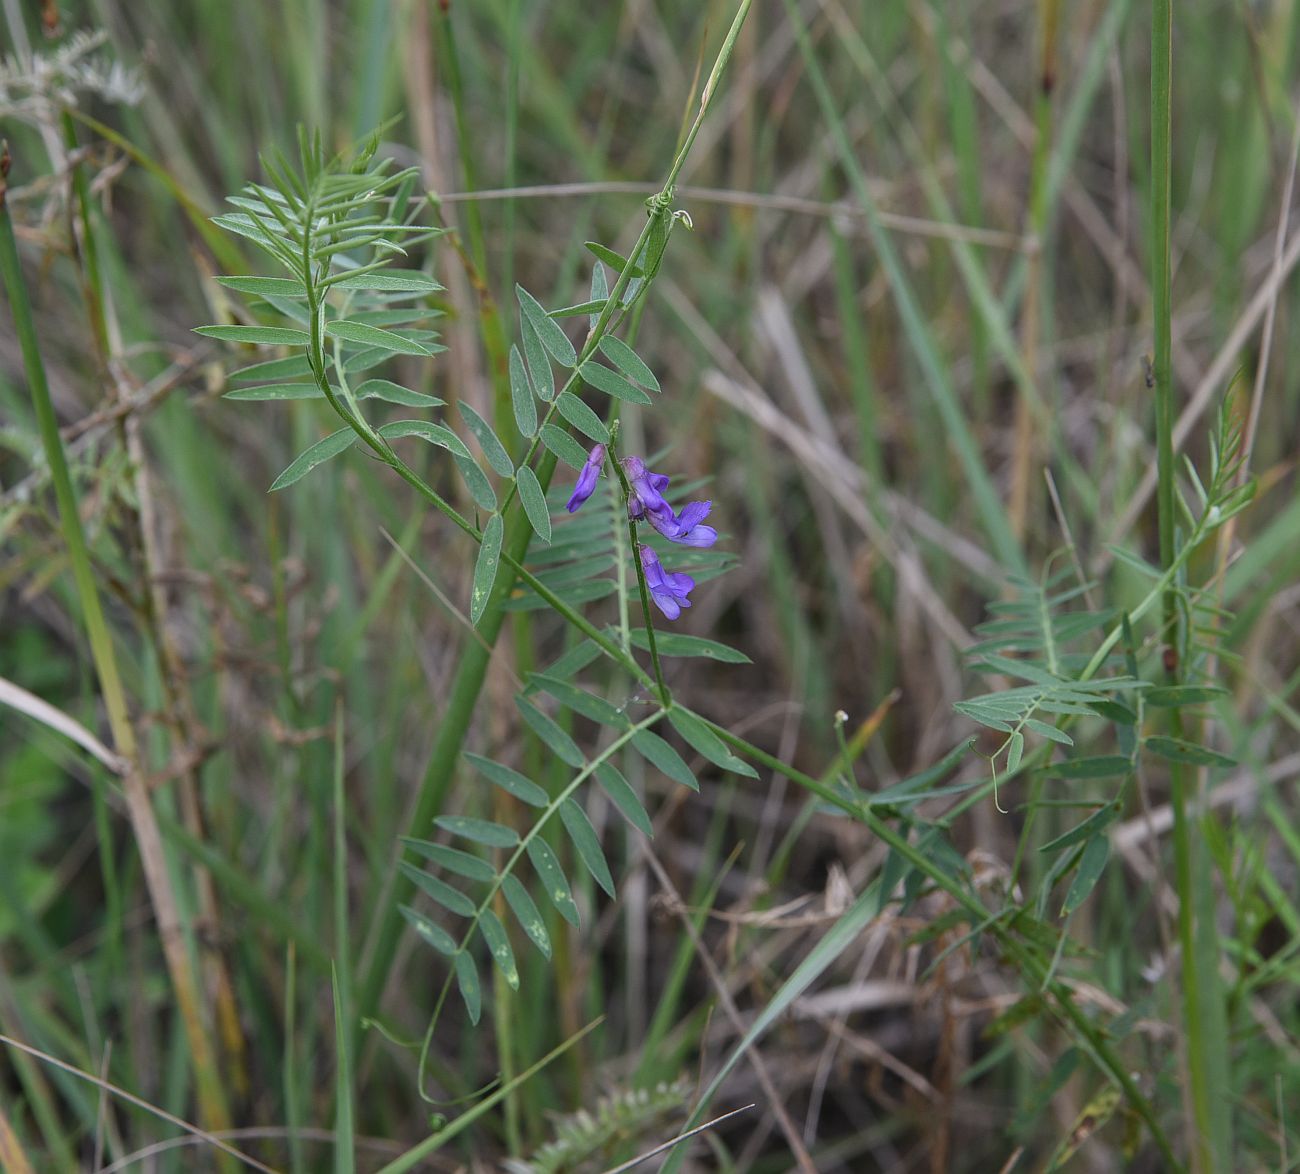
x: 1170, y: 696
x: 485, y: 568
x: 521, y: 395
x: 1101, y: 766
x: 294, y: 367
x: 374, y: 336
x: 488, y: 441
x: 656, y: 751
x: 830, y: 949
x: 1180, y: 750
x: 563, y: 446
x: 440, y: 891
x: 480, y: 488
x: 453, y: 860
x: 628, y: 361
x: 526, y: 913
x: 704, y: 740
x: 391, y: 282
x: 262, y: 335
x: 395, y: 393
x: 582, y: 417
x: 282, y: 287
x: 553, y: 879
x: 523, y: 789
x: 612, y: 259
x: 534, y: 502
x: 1098, y: 821
x: 437, y: 434
x: 612, y: 383
x: 276, y: 391
x: 435, y: 935
x: 552, y: 337
x: 1091, y: 865
x: 318, y: 454
x: 470, y: 990
x: 623, y: 797
x: 480, y: 831
x: 587, y: 843
x: 564, y: 747
x: 1048, y: 731
x: 671, y: 644
x: 539, y: 366
x: 498, y: 942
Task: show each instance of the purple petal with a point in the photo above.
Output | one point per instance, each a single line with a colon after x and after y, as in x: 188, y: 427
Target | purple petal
x: 698, y: 536
x: 585, y: 487
x: 694, y: 513
x: 667, y: 604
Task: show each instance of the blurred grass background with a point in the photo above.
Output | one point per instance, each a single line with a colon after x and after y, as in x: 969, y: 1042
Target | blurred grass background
x: 877, y: 474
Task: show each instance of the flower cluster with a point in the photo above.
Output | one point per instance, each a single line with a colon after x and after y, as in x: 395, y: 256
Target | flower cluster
x: 646, y: 503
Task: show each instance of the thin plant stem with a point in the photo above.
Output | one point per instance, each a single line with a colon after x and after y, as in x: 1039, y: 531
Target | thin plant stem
x: 144, y: 824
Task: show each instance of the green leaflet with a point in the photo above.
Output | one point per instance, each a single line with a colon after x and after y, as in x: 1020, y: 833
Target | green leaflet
x: 521, y: 395
x: 655, y: 750
x: 554, y: 882
x: 548, y: 331
x: 261, y: 335
x: 318, y: 454
x: 564, y: 747
x: 628, y: 361
x: 509, y: 780
x: 435, y: 935
x: 527, y: 914
x: 703, y: 739
x: 587, y: 843
x: 480, y: 831
x: 534, y: 502
x: 439, y: 891
x: 623, y: 797
x: 485, y: 568
x: 374, y: 336
x: 470, y: 990
x: 489, y: 441
x: 498, y: 943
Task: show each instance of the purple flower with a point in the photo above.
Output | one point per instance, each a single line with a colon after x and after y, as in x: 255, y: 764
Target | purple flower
x: 587, y: 479
x: 669, y: 590
x: 689, y: 531
x: 648, y: 502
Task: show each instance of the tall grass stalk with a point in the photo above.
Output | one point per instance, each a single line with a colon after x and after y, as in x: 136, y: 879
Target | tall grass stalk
x: 144, y: 824
x: 1208, y: 1077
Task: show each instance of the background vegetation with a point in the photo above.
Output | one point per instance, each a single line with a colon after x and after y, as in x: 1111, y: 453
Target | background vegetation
x: 911, y: 349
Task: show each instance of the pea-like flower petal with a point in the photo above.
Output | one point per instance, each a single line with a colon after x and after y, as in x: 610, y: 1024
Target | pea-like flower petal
x: 587, y: 478
x: 668, y: 590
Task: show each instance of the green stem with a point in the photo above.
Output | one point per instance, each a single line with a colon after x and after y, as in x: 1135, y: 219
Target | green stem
x: 1206, y: 1059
